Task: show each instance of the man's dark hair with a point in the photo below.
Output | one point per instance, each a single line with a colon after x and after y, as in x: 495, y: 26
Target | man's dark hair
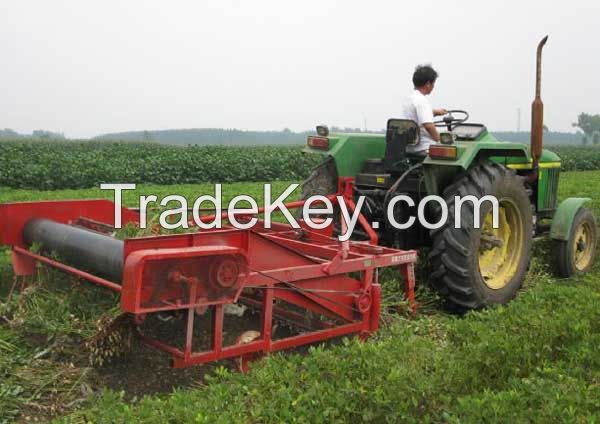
x: 424, y: 74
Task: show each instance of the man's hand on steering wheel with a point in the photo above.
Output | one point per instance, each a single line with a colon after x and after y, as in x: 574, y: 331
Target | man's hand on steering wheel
x: 440, y: 112
x: 449, y: 120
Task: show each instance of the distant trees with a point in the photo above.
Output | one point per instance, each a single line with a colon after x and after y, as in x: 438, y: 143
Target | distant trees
x: 335, y: 129
x: 590, y: 125
x: 48, y: 135
x: 209, y: 136
x: 550, y: 137
x: 7, y: 133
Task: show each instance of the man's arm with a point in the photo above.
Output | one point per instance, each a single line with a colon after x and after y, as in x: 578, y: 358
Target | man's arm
x: 440, y: 112
x: 432, y: 130
x: 425, y: 116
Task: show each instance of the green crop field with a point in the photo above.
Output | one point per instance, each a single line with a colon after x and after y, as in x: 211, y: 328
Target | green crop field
x: 533, y: 360
x: 53, y: 165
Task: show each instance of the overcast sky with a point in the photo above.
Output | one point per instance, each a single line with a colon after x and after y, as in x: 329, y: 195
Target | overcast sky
x: 90, y: 67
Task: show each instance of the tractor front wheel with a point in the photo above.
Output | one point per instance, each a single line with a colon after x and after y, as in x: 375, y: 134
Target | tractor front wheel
x: 576, y: 255
x: 478, y: 267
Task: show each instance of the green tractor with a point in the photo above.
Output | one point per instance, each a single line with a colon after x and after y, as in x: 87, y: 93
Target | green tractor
x: 472, y: 266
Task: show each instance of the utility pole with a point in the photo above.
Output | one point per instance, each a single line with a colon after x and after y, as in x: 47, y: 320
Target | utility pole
x: 519, y: 119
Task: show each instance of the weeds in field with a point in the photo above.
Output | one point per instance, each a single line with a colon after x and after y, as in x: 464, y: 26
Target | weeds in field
x: 532, y: 360
x: 45, y: 367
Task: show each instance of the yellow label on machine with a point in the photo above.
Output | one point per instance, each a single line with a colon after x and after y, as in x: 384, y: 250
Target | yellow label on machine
x: 529, y: 165
x: 380, y: 180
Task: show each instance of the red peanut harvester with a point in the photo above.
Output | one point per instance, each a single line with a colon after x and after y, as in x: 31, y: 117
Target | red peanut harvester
x: 284, y: 273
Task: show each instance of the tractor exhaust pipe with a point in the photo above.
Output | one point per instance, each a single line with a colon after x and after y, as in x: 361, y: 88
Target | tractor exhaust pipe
x: 537, y: 112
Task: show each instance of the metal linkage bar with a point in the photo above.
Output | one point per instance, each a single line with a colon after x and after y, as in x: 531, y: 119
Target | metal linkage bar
x: 69, y: 269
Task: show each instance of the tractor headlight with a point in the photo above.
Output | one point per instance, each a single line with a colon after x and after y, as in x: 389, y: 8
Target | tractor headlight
x: 322, y: 130
x: 446, y: 138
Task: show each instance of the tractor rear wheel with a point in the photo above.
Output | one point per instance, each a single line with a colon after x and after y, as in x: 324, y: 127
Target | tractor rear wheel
x: 323, y: 180
x: 576, y: 255
x: 478, y: 267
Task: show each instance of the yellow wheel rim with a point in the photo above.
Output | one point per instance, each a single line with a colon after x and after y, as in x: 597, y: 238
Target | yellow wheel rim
x: 583, y: 246
x: 501, y: 249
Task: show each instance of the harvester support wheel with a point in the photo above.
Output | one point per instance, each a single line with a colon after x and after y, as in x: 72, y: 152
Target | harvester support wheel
x: 477, y: 267
x: 576, y: 255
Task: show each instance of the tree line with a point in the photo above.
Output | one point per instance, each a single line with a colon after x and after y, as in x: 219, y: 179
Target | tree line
x: 7, y: 133
x: 590, y: 125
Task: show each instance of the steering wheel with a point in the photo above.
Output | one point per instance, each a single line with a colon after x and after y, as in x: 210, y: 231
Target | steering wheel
x: 451, y: 122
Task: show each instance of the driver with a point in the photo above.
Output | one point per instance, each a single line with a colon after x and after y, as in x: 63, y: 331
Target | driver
x: 417, y: 108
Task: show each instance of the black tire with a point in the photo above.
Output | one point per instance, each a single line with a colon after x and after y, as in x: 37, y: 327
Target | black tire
x: 567, y: 265
x: 322, y: 180
x: 455, y: 254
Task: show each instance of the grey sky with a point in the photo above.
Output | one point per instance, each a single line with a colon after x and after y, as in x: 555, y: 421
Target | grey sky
x: 88, y: 67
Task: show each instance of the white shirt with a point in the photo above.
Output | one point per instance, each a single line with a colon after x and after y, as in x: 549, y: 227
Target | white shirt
x: 417, y: 108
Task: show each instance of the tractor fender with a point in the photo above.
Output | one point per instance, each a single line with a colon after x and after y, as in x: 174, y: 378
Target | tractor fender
x: 350, y: 151
x: 564, y: 215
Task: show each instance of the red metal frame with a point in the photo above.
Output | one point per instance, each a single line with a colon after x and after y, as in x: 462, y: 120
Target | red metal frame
x: 303, y: 267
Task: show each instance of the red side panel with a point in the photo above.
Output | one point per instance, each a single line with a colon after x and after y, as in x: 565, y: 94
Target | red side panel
x: 180, y: 278
x: 14, y: 216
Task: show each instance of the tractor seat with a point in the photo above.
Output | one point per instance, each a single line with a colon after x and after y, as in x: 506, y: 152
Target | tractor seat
x: 400, y: 133
x: 381, y: 173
